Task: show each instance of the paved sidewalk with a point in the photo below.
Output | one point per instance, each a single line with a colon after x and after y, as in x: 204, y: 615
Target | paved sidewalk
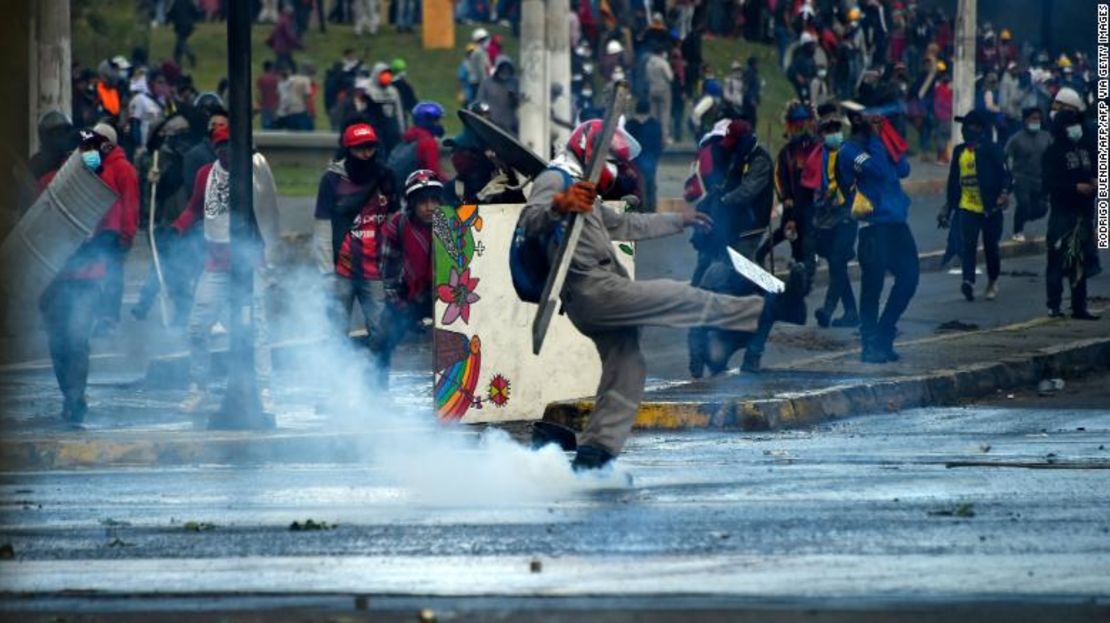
x: 812, y: 374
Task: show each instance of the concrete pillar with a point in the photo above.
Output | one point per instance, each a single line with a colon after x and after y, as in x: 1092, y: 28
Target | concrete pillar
x: 535, y: 107
x: 438, y: 29
x: 51, y: 56
x: 558, y: 66
x: 963, y: 74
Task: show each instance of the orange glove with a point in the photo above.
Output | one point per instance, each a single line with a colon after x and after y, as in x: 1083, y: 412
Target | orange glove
x: 579, y: 198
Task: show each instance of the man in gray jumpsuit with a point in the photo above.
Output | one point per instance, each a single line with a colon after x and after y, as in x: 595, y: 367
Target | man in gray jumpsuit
x: 609, y: 307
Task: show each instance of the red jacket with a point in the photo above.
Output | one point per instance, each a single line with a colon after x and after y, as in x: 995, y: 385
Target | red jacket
x: 123, y: 216
x: 117, y: 227
x: 427, y: 148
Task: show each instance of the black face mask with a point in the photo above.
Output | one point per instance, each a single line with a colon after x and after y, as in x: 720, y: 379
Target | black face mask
x: 973, y: 135
x: 360, y: 171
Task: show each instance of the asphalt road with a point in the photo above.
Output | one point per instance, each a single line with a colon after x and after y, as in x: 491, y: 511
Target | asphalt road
x: 873, y: 514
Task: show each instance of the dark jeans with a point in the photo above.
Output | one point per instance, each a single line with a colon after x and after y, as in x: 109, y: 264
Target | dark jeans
x: 112, y: 294
x: 803, y: 248
x: 69, y: 308
x: 990, y: 226
x: 647, y: 179
x: 837, y: 246
x: 716, y: 274
x: 885, y: 247
x: 1030, y: 205
x: 1054, y: 281
x: 178, y: 254
x: 182, y: 51
x: 297, y: 122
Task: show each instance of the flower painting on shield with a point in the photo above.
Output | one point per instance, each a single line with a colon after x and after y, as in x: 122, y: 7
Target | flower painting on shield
x: 458, y: 293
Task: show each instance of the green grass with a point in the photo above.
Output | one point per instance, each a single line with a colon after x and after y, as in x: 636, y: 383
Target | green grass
x: 431, y: 72
x: 296, y: 181
x: 719, y: 54
x: 108, y: 27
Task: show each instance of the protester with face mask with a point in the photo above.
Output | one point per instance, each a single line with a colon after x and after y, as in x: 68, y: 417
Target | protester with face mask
x: 1025, y: 153
x: 501, y: 91
x: 355, y: 200
x: 1069, y: 176
x: 835, y: 228
x: 871, y: 163
x: 73, y: 301
x: 978, y: 186
x: 210, y: 207
x: 797, y: 201
x: 735, y: 171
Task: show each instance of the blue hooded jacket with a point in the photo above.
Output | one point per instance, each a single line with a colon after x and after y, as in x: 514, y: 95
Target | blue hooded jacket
x: 866, y: 165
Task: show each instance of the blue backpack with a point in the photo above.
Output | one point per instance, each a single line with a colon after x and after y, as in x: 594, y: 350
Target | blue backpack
x: 528, y: 261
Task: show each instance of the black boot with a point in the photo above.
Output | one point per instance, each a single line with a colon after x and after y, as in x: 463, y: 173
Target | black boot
x: 1083, y: 314
x: 591, y: 457
x: 823, y: 318
x: 544, y: 433
x: 887, y: 349
x: 871, y: 353
x: 968, y: 290
x: 751, y: 363
x: 790, y: 306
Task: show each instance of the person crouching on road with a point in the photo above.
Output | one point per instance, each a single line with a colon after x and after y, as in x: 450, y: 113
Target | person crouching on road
x: 600, y: 298
x: 70, y: 303
x: 1069, y: 177
x: 871, y: 165
x: 978, y: 185
x: 834, y: 226
x: 211, y: 203
x: 355, y: 200
x: 407, y: 260
x: 735, y: 171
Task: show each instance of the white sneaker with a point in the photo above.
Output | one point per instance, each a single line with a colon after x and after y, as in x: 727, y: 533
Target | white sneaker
x: 194, y: 399
x: 1019, y: 237
x: 992, y: 291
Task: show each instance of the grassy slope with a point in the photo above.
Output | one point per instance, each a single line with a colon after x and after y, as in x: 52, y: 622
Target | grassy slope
x: 432, y: 72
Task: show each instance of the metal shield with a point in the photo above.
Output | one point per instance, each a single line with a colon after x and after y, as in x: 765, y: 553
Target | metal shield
x: 505, y: 145
x: 63, y: 217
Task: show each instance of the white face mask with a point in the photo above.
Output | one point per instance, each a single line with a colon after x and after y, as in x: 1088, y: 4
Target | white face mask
x: 821, y: 73
x: 1075, y: 132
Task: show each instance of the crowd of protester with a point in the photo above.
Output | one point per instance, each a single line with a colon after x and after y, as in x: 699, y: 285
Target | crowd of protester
x: 863, y: 75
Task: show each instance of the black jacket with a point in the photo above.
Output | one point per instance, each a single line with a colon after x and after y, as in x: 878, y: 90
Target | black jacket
x: 742, y: 204
x: 1067, y: 163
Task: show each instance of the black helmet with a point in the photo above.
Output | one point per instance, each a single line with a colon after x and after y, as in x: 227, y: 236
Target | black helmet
x: 209, y: 103
x: 56, y: 132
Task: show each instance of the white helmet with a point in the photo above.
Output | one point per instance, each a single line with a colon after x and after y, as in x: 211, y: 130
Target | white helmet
x: 1067, y: 96
x: 614, y: 47
x: 479, y: 34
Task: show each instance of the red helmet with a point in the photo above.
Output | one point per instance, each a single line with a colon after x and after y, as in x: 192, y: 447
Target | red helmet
x: 359, y: 134
x: 623, y: 147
